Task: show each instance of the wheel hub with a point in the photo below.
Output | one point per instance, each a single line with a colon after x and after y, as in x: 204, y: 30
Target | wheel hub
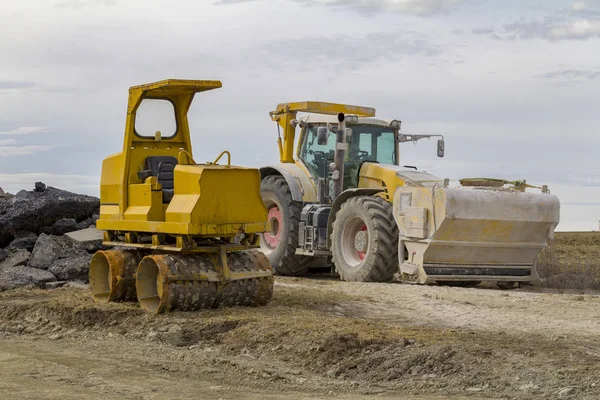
x: 355, y: 242
x: 275, y: 218
x: 360, y: 241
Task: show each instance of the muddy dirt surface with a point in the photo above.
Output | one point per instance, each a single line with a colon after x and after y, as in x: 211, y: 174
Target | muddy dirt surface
x: 318, y: 338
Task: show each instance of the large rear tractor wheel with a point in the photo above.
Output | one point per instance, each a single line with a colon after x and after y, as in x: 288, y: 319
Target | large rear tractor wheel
x: 281, y: 242
x: 365, y: 240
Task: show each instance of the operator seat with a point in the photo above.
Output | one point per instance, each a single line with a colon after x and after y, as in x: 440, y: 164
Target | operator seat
x: 162, y: 167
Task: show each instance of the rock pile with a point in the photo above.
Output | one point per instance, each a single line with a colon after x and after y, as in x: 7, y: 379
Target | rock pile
x: 40, y: 237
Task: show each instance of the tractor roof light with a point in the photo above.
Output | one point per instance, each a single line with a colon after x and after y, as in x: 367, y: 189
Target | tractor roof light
x: 395, y: 124
x: 293, y: 123
x: 351, y: 119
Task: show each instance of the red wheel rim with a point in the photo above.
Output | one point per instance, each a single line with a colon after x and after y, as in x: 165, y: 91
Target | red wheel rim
x: 362, y: 254
x: 276, y: 219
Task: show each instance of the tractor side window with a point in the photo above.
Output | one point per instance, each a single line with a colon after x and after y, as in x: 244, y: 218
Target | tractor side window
x: 317, y: 157
x: 155, y: 115
x: 374, y: 144
x: 364, y: 144
x: 368, y: 143
x: 386, y: 148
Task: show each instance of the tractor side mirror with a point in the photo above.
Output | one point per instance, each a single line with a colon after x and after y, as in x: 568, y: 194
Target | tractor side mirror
x: 440, y: 148
x: 322, y: 135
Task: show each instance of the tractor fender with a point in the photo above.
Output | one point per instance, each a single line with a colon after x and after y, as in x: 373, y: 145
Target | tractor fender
x: 299, y: 181
x: 341, y: 199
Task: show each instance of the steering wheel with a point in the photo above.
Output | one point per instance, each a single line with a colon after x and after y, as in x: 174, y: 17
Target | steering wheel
x: 363, y: 155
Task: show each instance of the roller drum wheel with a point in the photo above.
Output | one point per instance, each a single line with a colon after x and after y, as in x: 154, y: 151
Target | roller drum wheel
x: 112, y: 275
x: 167, y: 282
x: 248, y: 292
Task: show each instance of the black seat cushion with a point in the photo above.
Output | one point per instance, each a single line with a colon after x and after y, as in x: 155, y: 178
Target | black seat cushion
x: 162, y: 167
x: 168, y: 195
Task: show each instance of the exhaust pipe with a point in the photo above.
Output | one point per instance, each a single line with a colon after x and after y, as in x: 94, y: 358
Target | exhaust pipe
x: 340, y: 155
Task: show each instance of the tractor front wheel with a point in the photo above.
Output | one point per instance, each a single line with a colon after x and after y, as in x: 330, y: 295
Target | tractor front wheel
x: 364, y: 240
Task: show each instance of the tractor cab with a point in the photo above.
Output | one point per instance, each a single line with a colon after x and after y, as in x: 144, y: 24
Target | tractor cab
x: 368, y: 140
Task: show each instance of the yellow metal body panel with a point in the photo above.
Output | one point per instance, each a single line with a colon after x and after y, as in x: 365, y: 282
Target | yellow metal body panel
x: 307, y: 186
x: 216, y: 195
x: 145, y: 204
x: 208, y: 199
x: 375, y: 176
x: 285, y: 113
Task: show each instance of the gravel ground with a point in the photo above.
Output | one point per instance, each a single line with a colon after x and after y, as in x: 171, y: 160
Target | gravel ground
x: 318, y: 338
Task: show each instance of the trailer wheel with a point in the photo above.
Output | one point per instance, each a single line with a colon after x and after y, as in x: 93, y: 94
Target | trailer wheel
x: 365, y: 240
x: 280, y: 244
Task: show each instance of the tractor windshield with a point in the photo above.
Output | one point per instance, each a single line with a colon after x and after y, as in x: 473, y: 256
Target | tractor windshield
x: 367, y: 143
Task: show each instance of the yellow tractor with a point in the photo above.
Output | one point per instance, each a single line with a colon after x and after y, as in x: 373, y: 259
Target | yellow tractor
x: 345, y: 198
x: 185, y: 235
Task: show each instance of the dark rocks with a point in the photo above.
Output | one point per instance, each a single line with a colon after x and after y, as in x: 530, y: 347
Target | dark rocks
x: 22, y: 234
x: 45, y: 252
x: 75, y: 267
x: 39, y: 187
x: 22, y: 194
x: 31, y: 211
x: 60, y: 227
x: 67, y: 237
x: 86, y: 223
x: 11, y: 278
x: 66, y: 258
x: 15, y: 258
x: 23, y: 240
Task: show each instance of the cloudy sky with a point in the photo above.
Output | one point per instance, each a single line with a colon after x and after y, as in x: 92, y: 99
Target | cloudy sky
x: 512, y: 85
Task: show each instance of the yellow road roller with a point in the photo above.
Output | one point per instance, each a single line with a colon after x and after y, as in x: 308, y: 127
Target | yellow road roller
x: 183, y: 236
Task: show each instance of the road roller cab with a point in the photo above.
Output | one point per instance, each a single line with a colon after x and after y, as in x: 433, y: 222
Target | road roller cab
x: 154, y: 185
x: 186, y: 225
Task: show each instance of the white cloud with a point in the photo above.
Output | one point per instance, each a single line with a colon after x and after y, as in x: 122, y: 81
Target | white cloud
x: 421, y: 7
x: 7, y: 142
x: 7, y: 151
x: 580, y: 22
x: 418, y: 7
x: 25, y: 130
x: 572, y: 74
x: 585, y: 5
x: 575, y: 30
x: 84, y: 184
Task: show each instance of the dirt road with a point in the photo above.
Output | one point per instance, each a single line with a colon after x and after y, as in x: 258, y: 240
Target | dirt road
x: 318, y: 338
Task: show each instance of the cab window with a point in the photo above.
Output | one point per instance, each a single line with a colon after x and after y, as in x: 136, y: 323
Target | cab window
x: 317, y: 157
x: 155, y: 115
